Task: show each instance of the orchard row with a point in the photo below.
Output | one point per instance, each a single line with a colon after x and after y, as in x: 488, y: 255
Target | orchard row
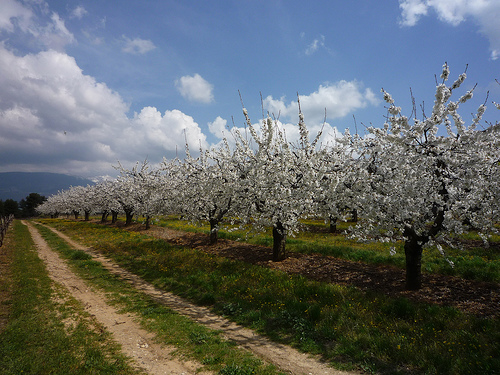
x: 420, y: 181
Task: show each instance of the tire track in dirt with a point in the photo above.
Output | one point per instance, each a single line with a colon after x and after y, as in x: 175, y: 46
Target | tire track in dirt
x: 284, y: 357
x: 136, y: 342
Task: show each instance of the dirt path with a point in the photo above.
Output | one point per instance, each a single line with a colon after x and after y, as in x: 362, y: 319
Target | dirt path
x: 282, y: 356
x: 136, y: 342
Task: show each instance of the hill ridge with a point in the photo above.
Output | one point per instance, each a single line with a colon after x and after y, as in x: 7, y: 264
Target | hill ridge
x: 18, y: 185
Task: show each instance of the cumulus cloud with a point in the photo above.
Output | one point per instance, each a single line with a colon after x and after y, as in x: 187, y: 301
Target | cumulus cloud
x: 218, y: 127
x: 55, y: 118
x: 485, y: 13
x: 137, y: 46
x: 195, y: 88
x: 166, y: 132
x: 338, y: 99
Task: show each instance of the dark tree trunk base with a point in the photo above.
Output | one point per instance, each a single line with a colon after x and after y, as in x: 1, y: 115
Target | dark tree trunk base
x: 413, y: 252
x: 128, y: 218
x: 333, y: 224
x: 279, y: 242
x: 214, y: 231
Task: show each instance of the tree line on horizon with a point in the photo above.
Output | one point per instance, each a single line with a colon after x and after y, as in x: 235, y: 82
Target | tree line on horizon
x: 25, y: 208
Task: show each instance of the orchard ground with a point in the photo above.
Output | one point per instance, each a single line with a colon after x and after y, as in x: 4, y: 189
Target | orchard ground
x: 403, y: 318
x: 246, y: 293
x: 475, y: 297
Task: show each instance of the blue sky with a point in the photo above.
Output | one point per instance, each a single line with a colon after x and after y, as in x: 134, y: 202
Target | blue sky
x: 85, y: 84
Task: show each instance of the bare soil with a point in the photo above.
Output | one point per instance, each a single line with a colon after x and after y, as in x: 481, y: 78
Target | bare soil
x: 139, y: 342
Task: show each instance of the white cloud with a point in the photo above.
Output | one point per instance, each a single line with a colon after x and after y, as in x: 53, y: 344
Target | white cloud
x: 55, y: 118
x: 218, y: 127
x: 79, y: 12
x: 166, y: 132
x: 337, y: 99
x: 412, y: 10
x: 42, y: 29
x: 485, y: 13
x: 11, y: 11
x: 195, y: 88
x: 316, y: 43
x: 55, y: 35
x: 137, y: 46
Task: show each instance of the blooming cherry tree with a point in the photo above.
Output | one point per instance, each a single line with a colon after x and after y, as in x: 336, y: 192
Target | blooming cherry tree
x: 277, y: 179
x: 206, y: 187
x: 429, y: 178
x: 139, y: 188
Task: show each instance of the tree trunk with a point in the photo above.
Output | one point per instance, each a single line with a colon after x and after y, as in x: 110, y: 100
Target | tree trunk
x: 279, y: 242
x: 114, y: 217
x: 87, y: 215
x: 148, y: 222
x: 76, y: 214
x: 333, y: 224
x: 354, y: 215
x: 214, y: 231
x: 413, y: 252
x: 128, y: 217
x: 104, y: 216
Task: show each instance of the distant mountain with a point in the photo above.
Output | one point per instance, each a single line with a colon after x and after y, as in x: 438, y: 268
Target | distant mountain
x: 18, y: 185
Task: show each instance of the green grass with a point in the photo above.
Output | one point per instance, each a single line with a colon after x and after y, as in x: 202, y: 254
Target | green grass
x: 48, y: 332
x: 191, y: 339
x: 344, y: 325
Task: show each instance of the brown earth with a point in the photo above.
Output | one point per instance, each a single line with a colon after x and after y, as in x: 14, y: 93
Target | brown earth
x: 475, y: 297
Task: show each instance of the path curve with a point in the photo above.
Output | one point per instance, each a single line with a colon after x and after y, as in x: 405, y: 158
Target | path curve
x: 284, y: 357
x: 136, y: 342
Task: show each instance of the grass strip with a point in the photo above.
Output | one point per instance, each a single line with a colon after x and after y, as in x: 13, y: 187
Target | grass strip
x: 48, y: 331
x: 191, y: 339
x: 372, y: 331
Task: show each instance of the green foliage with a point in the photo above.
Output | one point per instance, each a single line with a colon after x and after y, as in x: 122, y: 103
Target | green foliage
x: 10, y: 207
x: 28, y: 205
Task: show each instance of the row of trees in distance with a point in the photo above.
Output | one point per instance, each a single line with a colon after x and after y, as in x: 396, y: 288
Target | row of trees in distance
x: 420, y: 181
x: 26, y: 207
